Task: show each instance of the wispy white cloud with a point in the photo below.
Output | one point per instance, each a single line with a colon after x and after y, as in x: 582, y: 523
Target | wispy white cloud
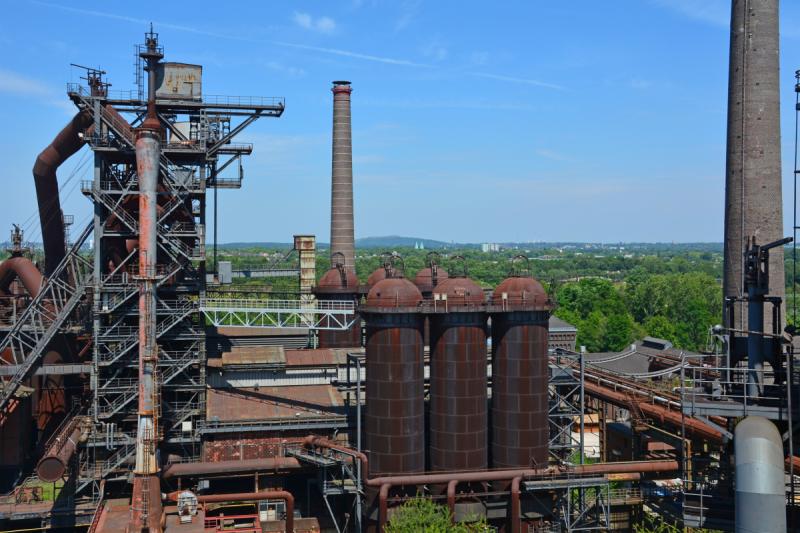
x: 479, y: 58
x: 448, y: 104
x: 354, y: 55
x: 18, y: 84
x: 320, y: 24
x: 436, y: 50
x: 513, y: 79
x: 298, y: 46
x: 290, y: 71
x: 551, y: 154
x: 716, y: 12
x: 408, y: 12
x: 15, y: 83
x: 639, y: 83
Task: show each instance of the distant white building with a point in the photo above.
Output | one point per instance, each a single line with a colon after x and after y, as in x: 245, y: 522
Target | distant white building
x: 490, y: 247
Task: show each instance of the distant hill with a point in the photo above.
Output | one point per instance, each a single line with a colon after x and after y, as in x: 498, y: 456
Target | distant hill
x: 390, y: 241
x: 398, y: 241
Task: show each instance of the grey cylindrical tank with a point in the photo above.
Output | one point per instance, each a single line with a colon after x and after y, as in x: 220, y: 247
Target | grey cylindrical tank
x: 760, y: 492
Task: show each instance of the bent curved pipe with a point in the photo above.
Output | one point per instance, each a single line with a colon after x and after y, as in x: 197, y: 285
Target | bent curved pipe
x: 248, y: 497
x: 66, y: 143
x: 24, y: 269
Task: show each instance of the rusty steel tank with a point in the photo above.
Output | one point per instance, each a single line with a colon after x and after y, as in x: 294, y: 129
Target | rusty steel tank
x: 338, y: 284
x: 394, y: 422
x: 458, y: 398
x: 519, y: 311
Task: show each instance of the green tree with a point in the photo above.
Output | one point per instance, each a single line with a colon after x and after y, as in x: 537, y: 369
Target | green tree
x: 421, y: 515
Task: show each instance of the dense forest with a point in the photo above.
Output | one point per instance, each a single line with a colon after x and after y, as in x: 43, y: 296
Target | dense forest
x: 612, y: 294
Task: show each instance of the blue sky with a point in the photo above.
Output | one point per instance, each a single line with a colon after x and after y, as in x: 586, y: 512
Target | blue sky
x: 472, y: 121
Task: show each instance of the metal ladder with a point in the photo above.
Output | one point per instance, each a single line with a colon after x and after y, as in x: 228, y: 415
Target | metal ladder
x: 44, y: 318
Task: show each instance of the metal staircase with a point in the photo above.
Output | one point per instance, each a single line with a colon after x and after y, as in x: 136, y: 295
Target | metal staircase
x: 113, y: 347
x: 92, y: 471
x: 43, y: 319
x: 128, y: 388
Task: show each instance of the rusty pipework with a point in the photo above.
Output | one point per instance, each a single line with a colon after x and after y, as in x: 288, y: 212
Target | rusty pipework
x: 152, y: 55
x: 248, y: 466
x: 284, y: 495
x: 515, y: 515
x: 674, y: 419
x: 146, y: 508
x: 314, y: 441
x: 24, y: 269
x: 68, y: 141
x: 386, y: 483
x: 53, y: 465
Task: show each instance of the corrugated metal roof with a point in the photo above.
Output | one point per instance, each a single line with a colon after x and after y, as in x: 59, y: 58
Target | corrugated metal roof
x: 273, y: 402
x: 254, y: 355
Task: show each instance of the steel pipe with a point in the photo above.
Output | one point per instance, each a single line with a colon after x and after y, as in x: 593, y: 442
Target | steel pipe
x: 693, y: 426
x: 53, y: 465
x: 321, y: 442
x: 24, y: 269
x: 68, y: 141
x: 284, y: 495
x: 387, y: 482
x: 208, y: 468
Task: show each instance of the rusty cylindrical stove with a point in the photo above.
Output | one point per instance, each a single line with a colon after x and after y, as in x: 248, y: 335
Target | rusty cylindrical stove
x: 519, y: 310
x: 458, y: 397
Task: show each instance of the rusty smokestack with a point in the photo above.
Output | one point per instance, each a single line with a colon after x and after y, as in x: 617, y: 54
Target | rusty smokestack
x: 146, y: 501
x: 342, y: 226
x: 753, y: 199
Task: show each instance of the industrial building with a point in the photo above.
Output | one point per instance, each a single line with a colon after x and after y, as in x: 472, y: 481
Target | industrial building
x: 142, y: 390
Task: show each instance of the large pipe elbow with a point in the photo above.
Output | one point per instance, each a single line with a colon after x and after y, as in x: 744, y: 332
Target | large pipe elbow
x: 24, y: 269
x: 68, y: 141
x: 313, y: 441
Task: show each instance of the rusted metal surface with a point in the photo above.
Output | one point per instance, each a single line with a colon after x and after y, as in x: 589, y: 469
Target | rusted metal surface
x: 377, y: 275
x: 394, y: 293
x: 53, y: 465
x: 519, y: 374
x: 427, y: 278
x: 24, y: 269
x: 66, y: 143
x: 339, y: 283
x: 146, y: 508
x: 314, y: 441
x: 665, y: 467
x: 342, y: 226
x: 223, y: 468
x: 395, y: 412
x: 264, y: 403
x: 458, y: 394
x: 286, y: 496
x: 656, y: 413
x: 180, y: 81
x: 247, y: 446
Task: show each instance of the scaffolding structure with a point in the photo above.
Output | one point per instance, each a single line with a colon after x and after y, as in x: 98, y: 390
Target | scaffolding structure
x: 197, y: 146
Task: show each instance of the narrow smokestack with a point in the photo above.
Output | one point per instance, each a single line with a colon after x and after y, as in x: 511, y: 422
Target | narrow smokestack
x: 342, y: 232
x: 753, y: 200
